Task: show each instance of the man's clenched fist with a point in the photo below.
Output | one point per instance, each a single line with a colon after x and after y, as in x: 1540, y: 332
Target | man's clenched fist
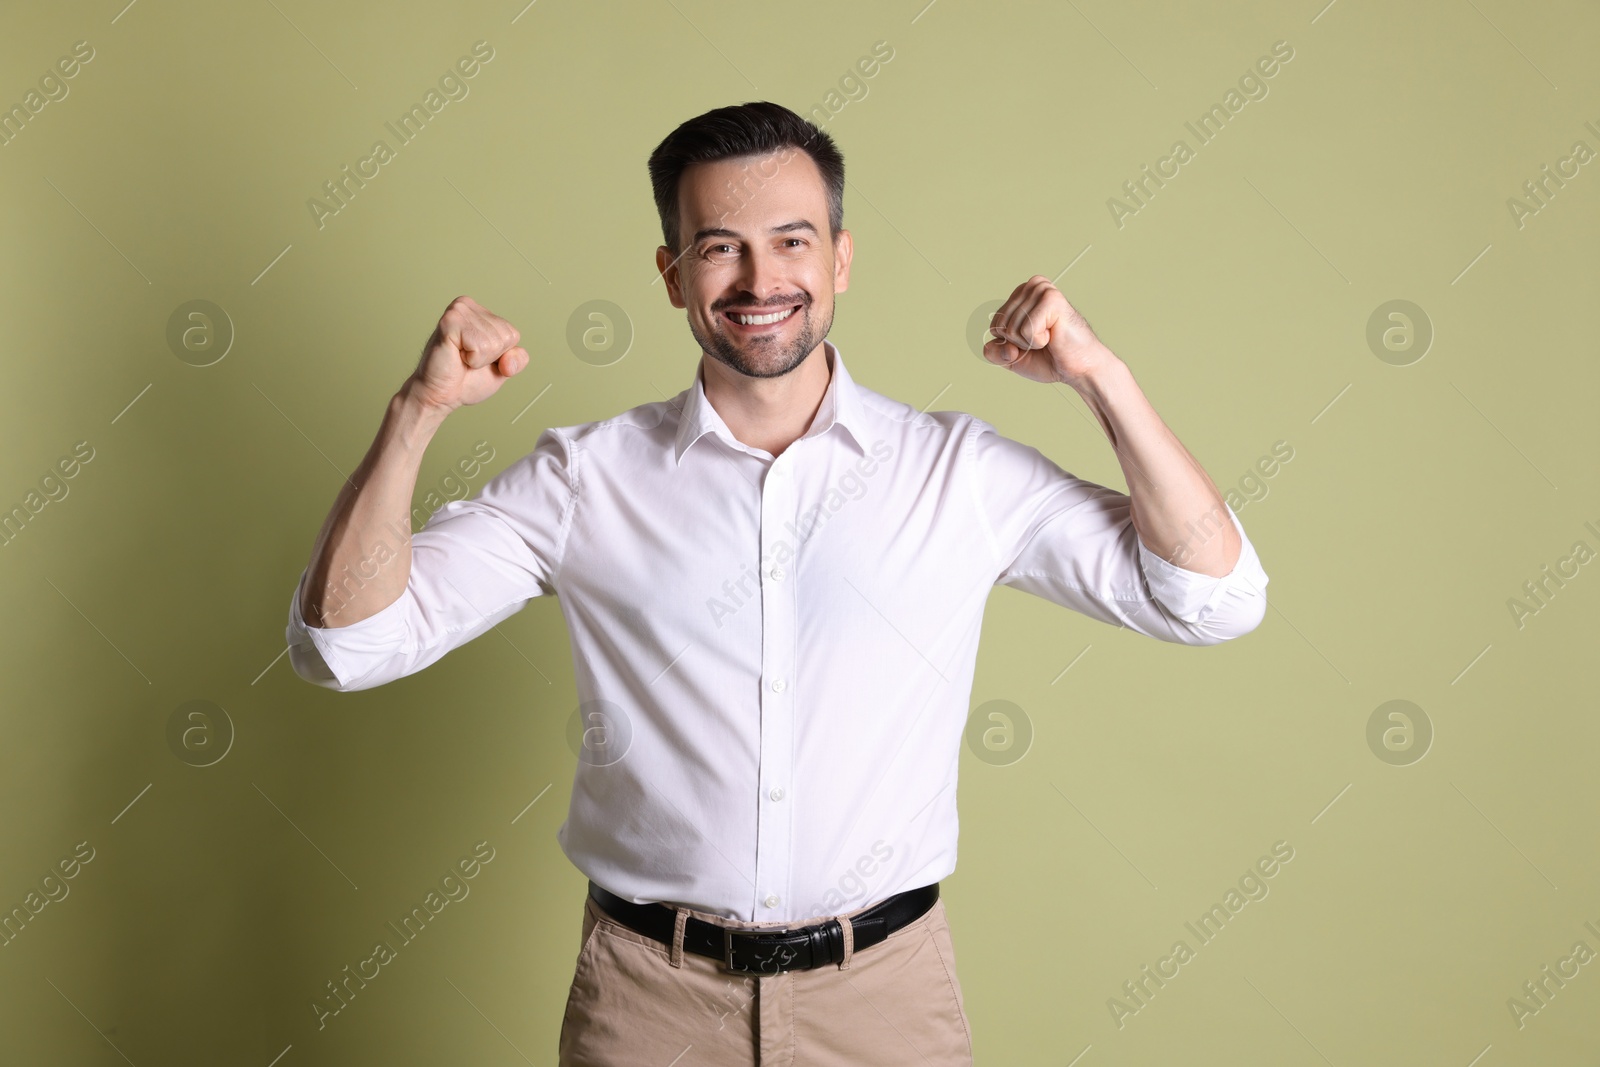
x: 1041, y: 336
x: 471, y: 353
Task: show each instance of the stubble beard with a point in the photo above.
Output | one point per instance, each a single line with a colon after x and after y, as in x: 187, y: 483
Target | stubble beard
x: 722, y: 348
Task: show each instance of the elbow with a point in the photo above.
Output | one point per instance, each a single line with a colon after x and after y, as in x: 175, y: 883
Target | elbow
x: 1253, y: 608
x: 1244, y: 617
x: 308, y: 664
x: 1257, y: 614
x: 1228, y: 620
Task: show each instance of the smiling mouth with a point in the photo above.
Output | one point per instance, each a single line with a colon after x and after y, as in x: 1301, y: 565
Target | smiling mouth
x: 749, y: 321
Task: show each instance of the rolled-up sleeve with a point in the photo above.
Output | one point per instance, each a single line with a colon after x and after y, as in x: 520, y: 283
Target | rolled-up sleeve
x: 1073, y: 543
x: 475, y: 562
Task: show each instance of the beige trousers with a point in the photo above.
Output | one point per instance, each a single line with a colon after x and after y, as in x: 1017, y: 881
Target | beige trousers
x: 636, y: 1002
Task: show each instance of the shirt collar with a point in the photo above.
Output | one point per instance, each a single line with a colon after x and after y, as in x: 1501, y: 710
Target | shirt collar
x: 841, y: 404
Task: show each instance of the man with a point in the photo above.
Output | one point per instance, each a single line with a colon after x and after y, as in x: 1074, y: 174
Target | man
x: 773, y: 584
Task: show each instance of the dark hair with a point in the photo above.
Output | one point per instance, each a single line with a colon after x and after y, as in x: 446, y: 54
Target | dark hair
x: 750, y: 129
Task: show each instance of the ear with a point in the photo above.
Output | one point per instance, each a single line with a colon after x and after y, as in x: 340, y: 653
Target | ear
x: 843, y: 249
x: 667, y: 267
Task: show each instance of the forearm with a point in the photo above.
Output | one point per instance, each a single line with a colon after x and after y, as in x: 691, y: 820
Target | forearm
x: 1177, y: 511
x: 362, y: 557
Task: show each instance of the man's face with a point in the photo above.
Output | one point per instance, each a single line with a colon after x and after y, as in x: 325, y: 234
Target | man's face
x: 755, y: 244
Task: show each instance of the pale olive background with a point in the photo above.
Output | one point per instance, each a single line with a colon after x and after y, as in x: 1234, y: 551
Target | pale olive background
x: 1378, y: 168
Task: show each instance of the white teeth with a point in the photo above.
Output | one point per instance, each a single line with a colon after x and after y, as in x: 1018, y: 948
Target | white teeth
x: 762, y: 320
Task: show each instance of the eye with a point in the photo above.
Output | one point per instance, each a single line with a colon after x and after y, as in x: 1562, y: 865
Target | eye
x: 796, y: 240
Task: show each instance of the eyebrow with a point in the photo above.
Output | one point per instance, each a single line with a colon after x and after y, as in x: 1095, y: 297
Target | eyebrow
x: 721, y: 231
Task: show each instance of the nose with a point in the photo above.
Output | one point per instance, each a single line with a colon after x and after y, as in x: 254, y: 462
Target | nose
x: 759, y: 274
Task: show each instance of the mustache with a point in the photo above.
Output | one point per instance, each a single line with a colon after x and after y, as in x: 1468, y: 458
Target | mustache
x: 801, y: 299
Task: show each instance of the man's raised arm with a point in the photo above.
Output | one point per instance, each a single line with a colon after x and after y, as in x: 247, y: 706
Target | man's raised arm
x: 1168, y: 559
x: 470, y: 355
x: 1039, y: 335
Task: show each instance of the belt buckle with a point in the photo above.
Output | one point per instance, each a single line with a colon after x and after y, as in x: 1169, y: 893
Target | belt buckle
x: 770, y: 957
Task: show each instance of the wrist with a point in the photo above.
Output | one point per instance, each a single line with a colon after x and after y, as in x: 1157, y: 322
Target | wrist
x: 1099, y: 371
x: 414, y: 414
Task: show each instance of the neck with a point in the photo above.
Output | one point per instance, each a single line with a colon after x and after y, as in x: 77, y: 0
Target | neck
x: 768, y: 413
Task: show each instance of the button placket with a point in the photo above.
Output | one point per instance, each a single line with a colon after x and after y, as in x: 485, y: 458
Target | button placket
x: 773, y: 825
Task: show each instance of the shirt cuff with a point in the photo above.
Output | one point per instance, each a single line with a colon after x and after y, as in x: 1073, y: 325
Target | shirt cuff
x: 338, y: 656
x: 1190, y: 595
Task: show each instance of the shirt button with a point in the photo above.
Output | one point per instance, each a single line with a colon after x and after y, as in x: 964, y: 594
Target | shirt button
x: 777, y: 792
x: 779, y: 685
x: 771, y: 901
x: 777, y: 574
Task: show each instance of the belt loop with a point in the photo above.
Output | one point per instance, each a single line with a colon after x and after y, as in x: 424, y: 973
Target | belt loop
x: 680, y: 919
x: 849, y: 940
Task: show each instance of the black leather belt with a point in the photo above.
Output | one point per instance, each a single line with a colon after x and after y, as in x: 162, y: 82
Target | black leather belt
x: 775, y: 950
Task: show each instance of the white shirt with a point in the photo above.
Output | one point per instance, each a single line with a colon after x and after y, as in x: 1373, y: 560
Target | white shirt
x: 785, y: 645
